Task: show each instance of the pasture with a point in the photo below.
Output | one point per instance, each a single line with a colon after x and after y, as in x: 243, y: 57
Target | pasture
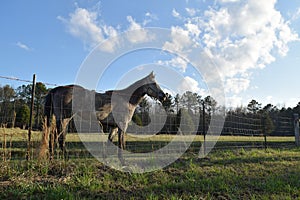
x: 238, y: 168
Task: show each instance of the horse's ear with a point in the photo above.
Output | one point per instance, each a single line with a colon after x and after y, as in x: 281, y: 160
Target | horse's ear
x: 152, y: 75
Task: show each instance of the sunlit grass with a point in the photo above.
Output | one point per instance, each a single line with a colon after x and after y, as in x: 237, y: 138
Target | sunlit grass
x: 223, y: 174
x: 21, y: 135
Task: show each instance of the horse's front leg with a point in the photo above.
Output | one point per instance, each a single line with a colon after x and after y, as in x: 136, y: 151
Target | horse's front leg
x: 112, y: 133
x: 121, y: 139
x: 121, y: 144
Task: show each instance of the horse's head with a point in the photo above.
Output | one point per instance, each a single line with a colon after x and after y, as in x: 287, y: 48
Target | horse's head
x: 153, y: 90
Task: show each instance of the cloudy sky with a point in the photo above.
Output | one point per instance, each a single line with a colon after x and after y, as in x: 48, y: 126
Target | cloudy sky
x: 254, y: 45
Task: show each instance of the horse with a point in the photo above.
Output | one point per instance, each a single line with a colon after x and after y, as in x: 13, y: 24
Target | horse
x: 58, y: 102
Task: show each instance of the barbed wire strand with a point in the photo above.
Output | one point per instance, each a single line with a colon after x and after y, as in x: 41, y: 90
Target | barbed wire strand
x: 23, y: 80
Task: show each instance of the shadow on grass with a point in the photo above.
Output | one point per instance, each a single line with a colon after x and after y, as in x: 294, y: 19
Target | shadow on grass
x: 17, y: 149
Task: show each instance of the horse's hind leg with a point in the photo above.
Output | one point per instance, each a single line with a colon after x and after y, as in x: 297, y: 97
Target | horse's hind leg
x: 52, y: 138
x: 62, y: 144
x: 62, y: 138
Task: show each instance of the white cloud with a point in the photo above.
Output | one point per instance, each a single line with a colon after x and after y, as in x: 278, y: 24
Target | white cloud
x: 228, y: 1
x: 278, y: 101
x: 87, y: 26
x: 292, y: 102
x: 190, y: 84
x: 151, y: 15
x: 234, y: 101
x: 245, y: 35
x: 180, y: 40
x: 111, y: 44
x: 176, y: 62
x: 191, y: 11
x: 23, y: 46
x: 236, y: 85
x: 133, y: 24
x: 149, y: 18
x: 296, y: 15
x: 193, y: 29
x: 269, y: 98
x: 136, y: 32
x: 175, y: 13
x: 239, y: 36
x: 84, y: 25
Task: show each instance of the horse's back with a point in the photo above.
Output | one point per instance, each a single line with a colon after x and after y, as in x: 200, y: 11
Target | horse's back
x: 59, y: 99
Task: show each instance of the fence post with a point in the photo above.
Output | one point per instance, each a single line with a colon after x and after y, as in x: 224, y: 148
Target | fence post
x: 30, y: 118
x: 203, y: 126
x: 296, y: 128
x: 264, y: 131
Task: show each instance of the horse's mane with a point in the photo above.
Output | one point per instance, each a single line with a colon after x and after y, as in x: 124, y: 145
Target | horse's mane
x: 141, y: 82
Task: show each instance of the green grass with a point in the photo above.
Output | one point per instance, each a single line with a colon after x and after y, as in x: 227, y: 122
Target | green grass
x: 238, y: 173
x: 230, y: 174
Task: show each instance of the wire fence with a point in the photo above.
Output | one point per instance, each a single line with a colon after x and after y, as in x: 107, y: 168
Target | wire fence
x: 240, y: 130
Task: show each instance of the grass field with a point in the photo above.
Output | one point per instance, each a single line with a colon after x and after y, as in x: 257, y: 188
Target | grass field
x: 236, y: 173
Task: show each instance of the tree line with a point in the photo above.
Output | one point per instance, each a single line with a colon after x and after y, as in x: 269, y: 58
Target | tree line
x: 15, y: 105
x: 194, y: 109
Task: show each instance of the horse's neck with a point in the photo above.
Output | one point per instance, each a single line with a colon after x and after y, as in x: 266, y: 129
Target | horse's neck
x: 136, y: 95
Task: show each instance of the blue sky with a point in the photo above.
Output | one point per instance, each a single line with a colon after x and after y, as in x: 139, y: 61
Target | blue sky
x: 254, y: 44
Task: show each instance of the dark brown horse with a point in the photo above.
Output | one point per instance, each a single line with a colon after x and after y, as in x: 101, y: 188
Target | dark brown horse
x: 114, y: 108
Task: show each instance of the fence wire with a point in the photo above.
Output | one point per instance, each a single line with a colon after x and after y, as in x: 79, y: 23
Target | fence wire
x: 237, y: 132
x: 240, y: 130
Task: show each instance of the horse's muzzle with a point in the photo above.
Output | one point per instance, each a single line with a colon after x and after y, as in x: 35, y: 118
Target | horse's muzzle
x: 162, y: 97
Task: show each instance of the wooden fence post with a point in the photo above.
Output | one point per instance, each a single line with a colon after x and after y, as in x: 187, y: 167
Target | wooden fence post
x: 30, y: 119
x: 264, y: 131
x: 203, y: 126
x: 296, y: 128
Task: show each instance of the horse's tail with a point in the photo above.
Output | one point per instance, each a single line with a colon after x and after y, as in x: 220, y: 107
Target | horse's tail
x: 48, y: 107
